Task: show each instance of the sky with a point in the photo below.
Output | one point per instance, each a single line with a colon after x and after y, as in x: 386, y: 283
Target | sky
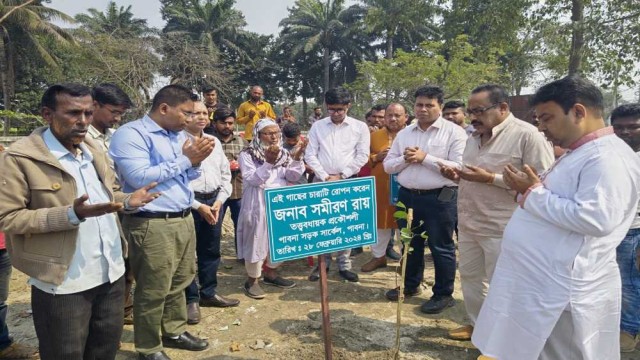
x: 263, y: 16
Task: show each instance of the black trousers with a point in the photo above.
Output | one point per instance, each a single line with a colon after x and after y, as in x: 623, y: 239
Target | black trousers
x: 85, y: 325
x: 438, y: 221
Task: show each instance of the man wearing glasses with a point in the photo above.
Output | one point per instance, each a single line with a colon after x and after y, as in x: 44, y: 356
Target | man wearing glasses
x: 338, y: 148
x: 485, y: 202
x: 110, y: 104
x: 161, y: 235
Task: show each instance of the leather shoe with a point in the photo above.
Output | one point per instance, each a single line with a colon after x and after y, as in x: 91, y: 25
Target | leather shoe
x: 349, y: 275
x: 436, y: 304
x: 218, y: 301
x: 185, y: 341
x: 315, y: 274
x: 373, y: 264
x: 160, y: 355
x: 393, y: 293
x: 462, y: 333
x: 193, y: 313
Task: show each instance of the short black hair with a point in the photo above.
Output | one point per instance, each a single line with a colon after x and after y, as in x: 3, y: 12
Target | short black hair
x: 50, y: 96
x: 379, y: 107
x: 337, y: 96
x: 626, y: 111
x: 111, y: 94
x: 208, y: 88
x: 172, y: 95
x: 497, y: 93
x: 291, y: 130
x: 366, y: 116
x: 454, y: 104
x: 430, y: 92
x: 316, y: 108
x: 222, y: 113
x: 568, y: 91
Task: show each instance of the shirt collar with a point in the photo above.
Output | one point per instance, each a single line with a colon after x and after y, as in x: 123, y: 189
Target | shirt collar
x: 347, y: 120
x: 151, y: 125
x: 592, y: 136
x: 98, y: 135
x: 503, y: 125
x: 436, y: 124
x: 59, y: 151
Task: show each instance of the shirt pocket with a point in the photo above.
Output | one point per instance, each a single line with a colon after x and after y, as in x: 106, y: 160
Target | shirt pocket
x: 42, y: 245
x: 496, y: 161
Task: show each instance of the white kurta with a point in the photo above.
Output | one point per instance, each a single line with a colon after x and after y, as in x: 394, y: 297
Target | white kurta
x: 559, y: 254
x: 253, y: 236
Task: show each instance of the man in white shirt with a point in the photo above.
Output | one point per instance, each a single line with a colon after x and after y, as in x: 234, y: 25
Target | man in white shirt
x: 338, y: 148
x: 211, y: 190
x: 625, y: 120
x: 555, y: 292
x: 485, y: 202
x: 415, y: 156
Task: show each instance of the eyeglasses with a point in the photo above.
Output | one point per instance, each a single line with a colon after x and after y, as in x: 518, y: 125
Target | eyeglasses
x: 187, y: 113
x: 480, y: 111
x: 331, y: 111
x: 271, y: 133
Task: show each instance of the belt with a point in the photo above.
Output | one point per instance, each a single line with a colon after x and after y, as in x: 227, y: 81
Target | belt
x: 426, y: 192
x: 207, y: 196
x: 162, y: 215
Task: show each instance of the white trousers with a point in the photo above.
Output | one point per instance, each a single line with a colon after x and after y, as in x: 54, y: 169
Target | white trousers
x: 254, y: 270
x: 478, y: 257
x: 379, y: 249
x: 564, y: 343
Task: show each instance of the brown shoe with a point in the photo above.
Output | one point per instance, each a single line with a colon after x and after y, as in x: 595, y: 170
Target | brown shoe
x: 375, y: 263
x: 482, y: 357
x: 219, y: 301
x: 462, y: 333
x: 193, y: 313
x: 627, y: 342
x: 18, y: 351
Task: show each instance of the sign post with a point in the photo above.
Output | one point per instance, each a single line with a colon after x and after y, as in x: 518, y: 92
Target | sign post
x: 321, y: 218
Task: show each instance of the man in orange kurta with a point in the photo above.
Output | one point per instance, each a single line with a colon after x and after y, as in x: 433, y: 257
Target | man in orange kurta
x: 395, y: 119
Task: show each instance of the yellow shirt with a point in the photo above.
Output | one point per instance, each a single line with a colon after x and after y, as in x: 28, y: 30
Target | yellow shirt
x: 248, y: 121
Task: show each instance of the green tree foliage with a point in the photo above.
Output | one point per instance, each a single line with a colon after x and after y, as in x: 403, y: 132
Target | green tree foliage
x: 325, y: 29
x: 408, y: 22
x: 451, y: 65
x: 598, y: 38
x: 117, y: 22
x: 31, y: 22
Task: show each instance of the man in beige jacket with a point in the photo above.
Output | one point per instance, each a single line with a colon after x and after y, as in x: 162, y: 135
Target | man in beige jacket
x: 58, y: 200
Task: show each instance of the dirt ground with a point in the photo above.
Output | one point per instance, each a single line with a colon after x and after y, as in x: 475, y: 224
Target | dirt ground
x: 287, y: 323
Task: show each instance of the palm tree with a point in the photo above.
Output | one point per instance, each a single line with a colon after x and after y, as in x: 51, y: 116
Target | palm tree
x: 409, y: 21
x: 118, y: 22
x: 324, y: 27
x: 213, y: 24
x: 31, y: 21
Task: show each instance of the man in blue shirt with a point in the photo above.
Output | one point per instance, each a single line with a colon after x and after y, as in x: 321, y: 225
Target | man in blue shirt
x: 161, y: 235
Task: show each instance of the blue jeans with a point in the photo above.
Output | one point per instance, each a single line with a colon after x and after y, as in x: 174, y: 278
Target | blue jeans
x: 626, y: 256
x: 234, y: 206
x: 5, y: 278
x: 208, y: 251
x: 438, y: 221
